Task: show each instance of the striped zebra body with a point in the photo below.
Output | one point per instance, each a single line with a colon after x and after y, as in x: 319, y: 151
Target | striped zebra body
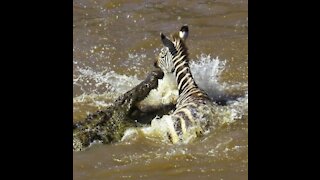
x: 193, y: 110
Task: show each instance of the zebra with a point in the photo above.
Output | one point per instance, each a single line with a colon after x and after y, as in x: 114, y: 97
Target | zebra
x: 194, y: 113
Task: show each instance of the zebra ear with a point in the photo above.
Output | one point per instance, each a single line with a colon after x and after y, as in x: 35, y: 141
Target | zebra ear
x: 184, y: 32
x: 166, y: 42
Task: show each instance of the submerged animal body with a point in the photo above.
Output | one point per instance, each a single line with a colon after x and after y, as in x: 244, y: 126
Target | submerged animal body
x: 194, y: 112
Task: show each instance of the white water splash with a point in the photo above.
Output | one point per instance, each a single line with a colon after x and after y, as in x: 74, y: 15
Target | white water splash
x: 166, y: 94
x: 117, y: 82
x: 206, y: 72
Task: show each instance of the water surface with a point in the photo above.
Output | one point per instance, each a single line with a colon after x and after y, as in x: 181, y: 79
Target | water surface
x: 114, y: 46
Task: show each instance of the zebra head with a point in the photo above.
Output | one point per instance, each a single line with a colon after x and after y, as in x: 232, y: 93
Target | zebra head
x: 164, y: 61
x: 177, y: 38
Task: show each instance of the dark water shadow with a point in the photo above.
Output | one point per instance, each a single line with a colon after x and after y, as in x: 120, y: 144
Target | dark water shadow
x: 223, y: 100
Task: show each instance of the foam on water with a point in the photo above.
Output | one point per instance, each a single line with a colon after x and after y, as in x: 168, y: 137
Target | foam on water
x: 114, y: 81
x: 206, y: 72
x: 97, y: 90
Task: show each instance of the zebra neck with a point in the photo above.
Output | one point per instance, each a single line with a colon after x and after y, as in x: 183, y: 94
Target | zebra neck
x: 183, y: 75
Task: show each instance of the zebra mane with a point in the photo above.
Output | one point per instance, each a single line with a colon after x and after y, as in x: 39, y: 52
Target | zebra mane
x: 180, y: 46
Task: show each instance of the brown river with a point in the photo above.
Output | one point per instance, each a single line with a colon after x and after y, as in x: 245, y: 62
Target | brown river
x: 115, y: 43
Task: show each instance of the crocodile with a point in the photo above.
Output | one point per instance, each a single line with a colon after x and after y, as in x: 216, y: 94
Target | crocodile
x: 108, y: 126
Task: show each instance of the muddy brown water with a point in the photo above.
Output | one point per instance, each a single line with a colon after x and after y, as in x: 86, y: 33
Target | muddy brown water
x: 114, y: 46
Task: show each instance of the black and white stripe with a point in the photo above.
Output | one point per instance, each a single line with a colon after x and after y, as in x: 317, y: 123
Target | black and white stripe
x: 192, y: 101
